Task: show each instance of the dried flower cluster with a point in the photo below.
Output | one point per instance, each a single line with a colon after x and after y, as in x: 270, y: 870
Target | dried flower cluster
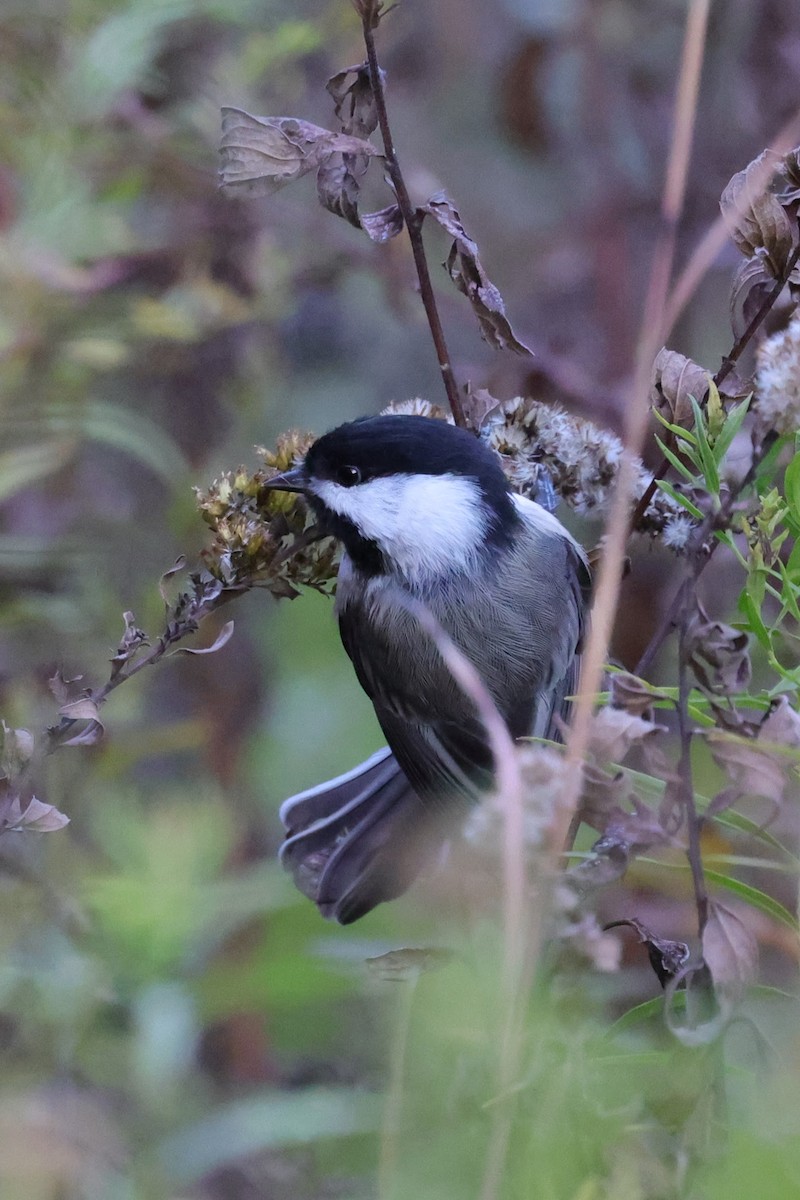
x: 265, y: 538
x: 777, y: 406
x: 582, y: 460
x: 542, y: 770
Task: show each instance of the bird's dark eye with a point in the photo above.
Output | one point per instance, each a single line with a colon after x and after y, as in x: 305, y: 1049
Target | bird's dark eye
x: 348, y: 476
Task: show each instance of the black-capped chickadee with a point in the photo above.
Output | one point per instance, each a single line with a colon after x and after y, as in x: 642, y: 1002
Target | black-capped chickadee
x: 426, y: 516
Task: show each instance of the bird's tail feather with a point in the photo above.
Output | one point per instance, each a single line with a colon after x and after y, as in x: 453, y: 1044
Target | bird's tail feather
x: 358, y: 840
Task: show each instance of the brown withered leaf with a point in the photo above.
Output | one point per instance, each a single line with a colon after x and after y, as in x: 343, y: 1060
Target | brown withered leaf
x: 757, y: 221
x: 223, y: 637
x: 781, y: 725
x: 80, y: 711
x: 667, y: 957
x: 175, y: 569
x: 600, y: 793
x: 786, y: 184
x: 354, y: 100
x: 262, y: 154
x: 384, y: 224
x: 610, y: 805
x: 632, y: 694
x: 614, y: 731
x: 35, y: 816
x: 757, y: 766
x: 750, y: 285
x: 478, y: 407
x: 753, y: 770
x: 730, y: 951
x: 675, y: 379
x: 718, y: 654
x: 609, y: 860
x: 60, y: 686
x: 465, y: 269
x: 399, y: 966
x: 132, y: 640
x: 338, y: 188
x: 16, y: 750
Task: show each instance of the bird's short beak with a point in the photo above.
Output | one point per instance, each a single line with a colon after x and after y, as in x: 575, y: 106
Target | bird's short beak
x: 289, y: 481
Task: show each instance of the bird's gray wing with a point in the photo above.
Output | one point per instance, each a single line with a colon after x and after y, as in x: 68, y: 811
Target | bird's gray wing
x: 520, y: 625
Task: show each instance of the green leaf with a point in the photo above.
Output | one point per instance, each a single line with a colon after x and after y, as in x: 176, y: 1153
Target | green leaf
x: 741, y: 824
x: 732, y: 425
x: 677, y: 430
x: 745, y: 891
x: 755, y: 624
x: 755, y: 898
x: 673, y: 459
x: 679, y: 498
x: 709, y: 463
x: 791, y: 486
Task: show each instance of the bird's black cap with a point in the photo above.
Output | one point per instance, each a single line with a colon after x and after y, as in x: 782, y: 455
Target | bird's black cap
x: 395, y: 445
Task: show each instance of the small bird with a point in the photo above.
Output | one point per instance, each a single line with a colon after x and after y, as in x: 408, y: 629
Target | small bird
x: 426, y: 517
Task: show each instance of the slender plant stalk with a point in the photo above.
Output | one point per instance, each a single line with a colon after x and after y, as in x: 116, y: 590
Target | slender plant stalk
x: 388, y: 1153
x: 636, y: 416
x: 693, y: 824
x: 413, y: 225
x: 520, y: 930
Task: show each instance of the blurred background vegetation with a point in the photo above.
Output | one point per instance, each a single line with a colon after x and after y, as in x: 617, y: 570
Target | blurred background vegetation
x: 174, y: 1019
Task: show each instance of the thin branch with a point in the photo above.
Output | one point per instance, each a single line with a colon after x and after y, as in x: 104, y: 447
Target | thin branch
x: 176, y: 628
x: 413, y: 225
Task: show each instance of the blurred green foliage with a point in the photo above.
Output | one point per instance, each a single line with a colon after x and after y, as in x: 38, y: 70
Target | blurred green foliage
x: 175, y: 1020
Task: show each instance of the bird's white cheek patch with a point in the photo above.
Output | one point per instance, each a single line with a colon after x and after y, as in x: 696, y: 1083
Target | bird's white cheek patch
x: 422, y: 523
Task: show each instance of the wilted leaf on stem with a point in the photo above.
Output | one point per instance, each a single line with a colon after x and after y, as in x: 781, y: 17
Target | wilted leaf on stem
x: 86, y: 710
x: 384, y: 224
x: 610, y: 805
x: 675, y: 380
x: 633, y: 695
x: 756, y: 219
x: 354, y: 101
x: 262, y: 154
x: 786, y: 185
x: 60, y: 686
x: 338, y: 188
x: 223, y: 637
x: 175, y: 569
x: 718, y: 654
x: 133, y: 638
x: 667, y: 957
x: 614, y: 731
x: 750, y: 285
x: 757, y: 766
x: 608, y: 862
x: 479, y: 405
x: 465, y: 269
x: 16, y: 750
x: 730, y: 951
x: 36, y: 816
x: 704, y: 1015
